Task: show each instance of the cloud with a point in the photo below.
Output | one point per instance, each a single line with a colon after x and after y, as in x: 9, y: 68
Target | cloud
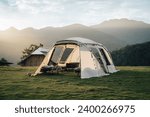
x: 39, y: 13
x: 37, y: 6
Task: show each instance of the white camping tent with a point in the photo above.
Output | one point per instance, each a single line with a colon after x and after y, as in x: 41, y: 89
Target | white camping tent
x: 92, y: 58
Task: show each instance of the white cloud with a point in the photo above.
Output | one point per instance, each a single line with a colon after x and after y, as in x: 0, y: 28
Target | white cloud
x: 39, y: 13
x: 38, y: 6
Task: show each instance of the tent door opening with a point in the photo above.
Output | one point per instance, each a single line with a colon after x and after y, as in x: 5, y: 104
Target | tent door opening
x: 56, y: 54
x: 65, y: 55
x: 99, y: 58
x: 104, y: 56
x: 60, y: 55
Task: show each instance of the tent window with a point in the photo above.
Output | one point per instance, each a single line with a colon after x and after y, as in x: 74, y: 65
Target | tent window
x: 104, y: 55
x: 65, y: 55
x: 97, y: 55
x: 56, y: 54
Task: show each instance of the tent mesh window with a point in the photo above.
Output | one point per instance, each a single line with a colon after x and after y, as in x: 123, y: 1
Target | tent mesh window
x: 65, y: 55
x: 56, y: 54
x: 97, y: 55
x: 104, y: 55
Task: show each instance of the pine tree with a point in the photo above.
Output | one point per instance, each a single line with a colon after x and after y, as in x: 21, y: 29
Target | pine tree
x: 4, y: 62
x: 27, y: 51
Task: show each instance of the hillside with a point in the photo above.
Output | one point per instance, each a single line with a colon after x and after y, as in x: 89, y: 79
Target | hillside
x: 16, y: 40
x: 130, y: 31
x: 114, y: 34
x: 134, y: 55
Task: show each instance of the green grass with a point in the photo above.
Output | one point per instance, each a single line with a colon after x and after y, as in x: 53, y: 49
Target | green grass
x: 128, y: 83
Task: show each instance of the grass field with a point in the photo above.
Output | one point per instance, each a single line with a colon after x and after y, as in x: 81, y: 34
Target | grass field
x: 128, y: 83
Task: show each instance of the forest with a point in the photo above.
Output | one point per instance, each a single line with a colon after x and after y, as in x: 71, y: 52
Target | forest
x: 133, y: 55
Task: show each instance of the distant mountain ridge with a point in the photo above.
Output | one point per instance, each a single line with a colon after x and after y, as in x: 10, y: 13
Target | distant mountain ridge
x: 110, y: 33
x: 118, y: 23
x: 130, y: 31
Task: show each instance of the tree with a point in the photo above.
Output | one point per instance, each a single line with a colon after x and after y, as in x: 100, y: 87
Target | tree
x: 133, y: 55
x: 27, y: 51
x: 4, y: 62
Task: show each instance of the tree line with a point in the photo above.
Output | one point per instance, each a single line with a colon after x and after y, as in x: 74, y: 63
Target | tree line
x: 133, y: 55
x: 4, y: 62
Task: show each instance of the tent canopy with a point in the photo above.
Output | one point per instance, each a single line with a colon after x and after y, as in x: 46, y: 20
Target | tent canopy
x: 91, y: 58
x: 78, y: 40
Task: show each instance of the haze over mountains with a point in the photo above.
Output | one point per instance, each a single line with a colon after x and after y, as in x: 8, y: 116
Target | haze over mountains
x: 114, y: 34
x: 130, y: 31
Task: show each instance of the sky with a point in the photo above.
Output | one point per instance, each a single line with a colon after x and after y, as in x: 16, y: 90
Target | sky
x: 57, y: 13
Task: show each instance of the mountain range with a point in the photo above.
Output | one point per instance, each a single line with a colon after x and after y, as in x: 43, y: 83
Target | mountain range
x: 114, y: 34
